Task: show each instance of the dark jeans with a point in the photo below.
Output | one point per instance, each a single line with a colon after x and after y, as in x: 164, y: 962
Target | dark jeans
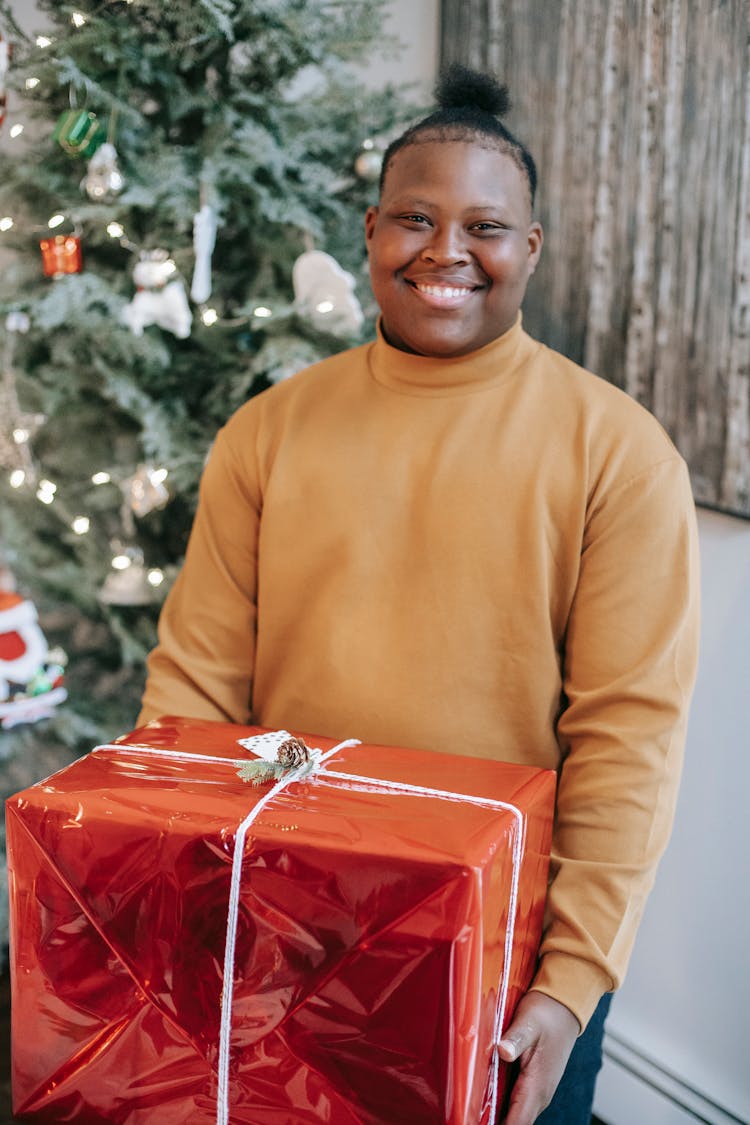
x: 574, y: 1097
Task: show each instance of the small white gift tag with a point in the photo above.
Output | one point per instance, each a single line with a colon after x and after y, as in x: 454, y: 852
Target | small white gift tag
x: 267, y: 745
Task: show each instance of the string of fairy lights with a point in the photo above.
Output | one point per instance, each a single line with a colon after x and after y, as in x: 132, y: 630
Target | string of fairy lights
x: 323, y: 292
x: 142, y: 492
x: 146, y: 489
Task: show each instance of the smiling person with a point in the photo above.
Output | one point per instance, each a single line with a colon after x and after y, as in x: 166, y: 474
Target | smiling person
x: 455, y: 538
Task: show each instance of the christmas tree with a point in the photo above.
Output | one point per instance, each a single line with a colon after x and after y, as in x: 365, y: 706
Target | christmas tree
x: 186, y: 229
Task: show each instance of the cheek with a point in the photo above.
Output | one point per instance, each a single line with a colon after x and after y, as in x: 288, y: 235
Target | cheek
x: 508, y: 268
x: 390, y: 252
x: 381, y: 280
x: 376, y: 258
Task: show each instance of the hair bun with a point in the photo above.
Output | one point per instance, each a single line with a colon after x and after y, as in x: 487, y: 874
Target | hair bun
x: 459, y: 87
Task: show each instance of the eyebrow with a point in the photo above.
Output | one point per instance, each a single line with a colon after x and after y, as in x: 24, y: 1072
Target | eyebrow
x: 474, y: 208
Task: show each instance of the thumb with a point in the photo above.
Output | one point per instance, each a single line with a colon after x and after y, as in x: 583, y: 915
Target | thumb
x: 520, y: 1035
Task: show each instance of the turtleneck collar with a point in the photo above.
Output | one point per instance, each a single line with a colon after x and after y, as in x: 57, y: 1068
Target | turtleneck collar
x: 431, y: 375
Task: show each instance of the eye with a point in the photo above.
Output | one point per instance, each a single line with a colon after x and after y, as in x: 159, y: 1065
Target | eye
x: 415, y: 218
x: 487, y: 227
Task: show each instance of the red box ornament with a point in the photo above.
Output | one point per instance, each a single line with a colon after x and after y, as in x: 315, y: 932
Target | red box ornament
x: 61, y: 254
x: 342, y: 941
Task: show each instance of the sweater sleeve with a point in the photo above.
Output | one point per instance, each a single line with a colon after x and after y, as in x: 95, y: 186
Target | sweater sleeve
x: 629, y: 666
x: 203, y: 664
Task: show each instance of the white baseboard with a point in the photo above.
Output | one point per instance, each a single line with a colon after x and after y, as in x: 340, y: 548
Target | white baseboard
x: 634, y: 1090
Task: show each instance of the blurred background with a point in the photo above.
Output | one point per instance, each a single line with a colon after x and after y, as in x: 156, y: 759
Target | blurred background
x: 167, y: 293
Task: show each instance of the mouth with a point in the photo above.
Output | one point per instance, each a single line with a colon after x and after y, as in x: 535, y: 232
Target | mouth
x: 442, y: 295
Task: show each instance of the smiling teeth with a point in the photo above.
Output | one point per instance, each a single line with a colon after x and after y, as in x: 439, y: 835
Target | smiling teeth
x: 442, y: 290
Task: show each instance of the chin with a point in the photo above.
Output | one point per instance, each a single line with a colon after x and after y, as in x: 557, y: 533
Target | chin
x: 441, y: 347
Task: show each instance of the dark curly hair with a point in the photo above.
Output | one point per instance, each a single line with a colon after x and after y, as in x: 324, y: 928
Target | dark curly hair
x: 471, y: 104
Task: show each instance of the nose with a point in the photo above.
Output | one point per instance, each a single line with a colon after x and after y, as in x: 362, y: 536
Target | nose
x: 446, y: 246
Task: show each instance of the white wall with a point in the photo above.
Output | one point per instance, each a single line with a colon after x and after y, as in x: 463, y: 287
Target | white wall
x: 686, y: 1000
x: 415, y: 25
x: 27, y: 14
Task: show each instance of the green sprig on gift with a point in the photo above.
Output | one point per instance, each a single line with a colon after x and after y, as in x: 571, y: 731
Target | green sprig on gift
x: 292, y: 754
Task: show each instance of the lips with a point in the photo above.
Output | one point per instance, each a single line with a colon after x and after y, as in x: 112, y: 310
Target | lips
x: 443, y: 294
x: 443, y: 290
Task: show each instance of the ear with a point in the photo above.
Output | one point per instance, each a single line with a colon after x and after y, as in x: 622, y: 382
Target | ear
x: 371, y: 216
x: 535, y: 239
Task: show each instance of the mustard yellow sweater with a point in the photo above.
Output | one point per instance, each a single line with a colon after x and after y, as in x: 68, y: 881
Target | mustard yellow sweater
x: 492, y: 555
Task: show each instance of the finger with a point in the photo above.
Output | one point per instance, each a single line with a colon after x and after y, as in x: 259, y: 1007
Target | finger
x: 520, y: 1036
x: 525, y: 1104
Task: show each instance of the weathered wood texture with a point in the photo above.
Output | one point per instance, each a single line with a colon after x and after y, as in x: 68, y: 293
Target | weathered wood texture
x: 638, y: 115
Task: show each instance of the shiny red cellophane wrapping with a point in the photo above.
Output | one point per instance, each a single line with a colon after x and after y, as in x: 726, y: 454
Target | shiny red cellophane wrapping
x: 370, y: 943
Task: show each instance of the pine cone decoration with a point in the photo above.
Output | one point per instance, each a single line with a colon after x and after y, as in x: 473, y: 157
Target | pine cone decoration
x: 292, y: 753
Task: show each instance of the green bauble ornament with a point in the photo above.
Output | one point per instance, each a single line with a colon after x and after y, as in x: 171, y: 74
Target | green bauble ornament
x: 79, y: 132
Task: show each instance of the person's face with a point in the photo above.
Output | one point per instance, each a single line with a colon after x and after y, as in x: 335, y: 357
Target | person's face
x: 451, y: 247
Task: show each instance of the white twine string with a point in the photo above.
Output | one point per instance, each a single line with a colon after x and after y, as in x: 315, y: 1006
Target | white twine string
x: 222, y: 1097
x: 362, y: 784
x: 178, y: 755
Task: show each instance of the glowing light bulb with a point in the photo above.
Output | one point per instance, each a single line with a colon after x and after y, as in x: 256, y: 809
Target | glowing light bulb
x: 121, y: 562
x: 16, y: 130
x: 81, y: 525
x: 155, y: 577
x: 325, y: 307
x: 43, y: 41
x: 31, y: 83
x: 209, y: 317
x: 55, y: 221
x: 114, y: 230
x: 158, y: 476
x: 6, y: 222
x: 17, y: 478
x: 46, y: 491
x: 78, y: 19
x: 262, y: 312
x: 101, y: 478
x: 21, y: 436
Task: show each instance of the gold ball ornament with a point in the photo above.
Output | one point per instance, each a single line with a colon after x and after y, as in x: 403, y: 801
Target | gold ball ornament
x: 146, y: 491
x: 369, y: 161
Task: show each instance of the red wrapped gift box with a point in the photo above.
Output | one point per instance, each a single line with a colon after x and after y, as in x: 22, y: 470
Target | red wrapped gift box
x: 387, y: 912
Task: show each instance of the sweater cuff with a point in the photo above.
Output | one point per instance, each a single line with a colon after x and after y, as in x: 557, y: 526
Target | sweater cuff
x: 577, y: 984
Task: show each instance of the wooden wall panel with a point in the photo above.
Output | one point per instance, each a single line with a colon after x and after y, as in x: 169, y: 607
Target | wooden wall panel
x: 638, y: 115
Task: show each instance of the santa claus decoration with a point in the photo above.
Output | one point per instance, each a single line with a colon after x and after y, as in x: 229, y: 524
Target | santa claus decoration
x: 31, y: 674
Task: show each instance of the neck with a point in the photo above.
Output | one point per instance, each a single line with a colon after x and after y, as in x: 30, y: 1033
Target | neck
x: 424, y: 374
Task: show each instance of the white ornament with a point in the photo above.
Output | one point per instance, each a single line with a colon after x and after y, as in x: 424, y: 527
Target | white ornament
x: 158, y: 300
x: 103, y: 178
x: 17, y: 321
x: 204, y: 240
x: 129, y: 586
x: 324, y: 293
